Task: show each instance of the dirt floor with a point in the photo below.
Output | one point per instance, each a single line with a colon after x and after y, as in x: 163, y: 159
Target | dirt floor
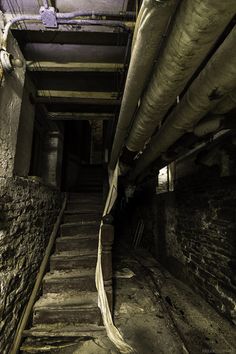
x: 159, y: 314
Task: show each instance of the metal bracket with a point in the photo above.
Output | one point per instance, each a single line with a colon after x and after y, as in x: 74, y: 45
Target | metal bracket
x: 48, y: 17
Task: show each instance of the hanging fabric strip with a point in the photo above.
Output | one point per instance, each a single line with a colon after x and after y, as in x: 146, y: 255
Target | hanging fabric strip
x: 112, y: 332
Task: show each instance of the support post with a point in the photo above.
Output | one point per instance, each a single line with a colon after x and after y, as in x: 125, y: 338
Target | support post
x: 53, y: 159
x: 107, y: 242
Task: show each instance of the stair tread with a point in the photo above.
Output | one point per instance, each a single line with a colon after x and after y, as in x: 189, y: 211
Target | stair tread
x: 74, y: 254
x: 75, y: 223
x: 71, y: 300
x: 62, y: 330
x: 85, y: 211
x: 68, y: 274
x: 77, y: 236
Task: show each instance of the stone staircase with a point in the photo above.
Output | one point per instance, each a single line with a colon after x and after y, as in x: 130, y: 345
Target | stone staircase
x: 67, y: 312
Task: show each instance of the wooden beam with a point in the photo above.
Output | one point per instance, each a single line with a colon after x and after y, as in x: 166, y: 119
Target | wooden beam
x: 78, y: 94
x: 73, y: 66
x: 82, y: 97
x: 74, y: 100
x: 79, y: 116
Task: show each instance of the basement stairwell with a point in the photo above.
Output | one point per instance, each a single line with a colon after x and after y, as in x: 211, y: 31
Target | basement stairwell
x: 67, y: 311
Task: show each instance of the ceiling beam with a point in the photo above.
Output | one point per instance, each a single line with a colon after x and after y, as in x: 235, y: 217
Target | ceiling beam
x: 73, y: 66
x: 78, y: 94
x: 82, y: 97
x: 79, y: 116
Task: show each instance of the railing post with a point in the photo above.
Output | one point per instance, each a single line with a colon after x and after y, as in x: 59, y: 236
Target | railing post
x: 107, y: 238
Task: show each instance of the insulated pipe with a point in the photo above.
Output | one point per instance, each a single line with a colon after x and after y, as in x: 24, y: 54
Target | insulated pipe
x: 209, y: 125
x: 197, y: 26
x: 228, y: 103
x: 214, y: 82
x: 152, y: 22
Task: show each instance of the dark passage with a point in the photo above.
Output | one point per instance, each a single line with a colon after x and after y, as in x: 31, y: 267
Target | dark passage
x: 117, y: 177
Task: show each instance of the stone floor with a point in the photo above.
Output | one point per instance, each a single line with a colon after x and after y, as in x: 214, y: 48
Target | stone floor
x: 157, y: 314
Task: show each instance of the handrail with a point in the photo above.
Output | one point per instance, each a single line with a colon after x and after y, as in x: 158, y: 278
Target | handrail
x: 26, y: 313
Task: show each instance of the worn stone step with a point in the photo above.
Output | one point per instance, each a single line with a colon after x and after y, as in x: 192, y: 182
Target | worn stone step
x: 69, y: 280
x: 84, y: 208
x: 64, y: 330
x: 84, y: 196
x: 85, y: 201
x: 67, y: 308
x: 73, y: 260
x: 73, y: 229
x: 73, y: 243
x: 83, y: 218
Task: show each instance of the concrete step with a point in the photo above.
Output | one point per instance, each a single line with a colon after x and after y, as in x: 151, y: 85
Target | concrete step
x: 73, y: 229
x: 59, y: 338
x: 64, y: 281
x: 73, y: 243
x: 82, y: 218
x: 67, y: 308
x: 73, y: 260
x: 64, y: 330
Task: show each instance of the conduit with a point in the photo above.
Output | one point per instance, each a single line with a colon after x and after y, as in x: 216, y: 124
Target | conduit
x: 152, y: 22
x: 197, y: 26
x: 214, y: 82
x: 66, y: 16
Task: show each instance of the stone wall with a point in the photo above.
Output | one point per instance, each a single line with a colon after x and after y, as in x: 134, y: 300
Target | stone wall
x: 28, y: 211
x: 192, y: 232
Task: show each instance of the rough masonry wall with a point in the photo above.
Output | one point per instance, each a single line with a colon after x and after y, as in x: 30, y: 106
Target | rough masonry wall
x: 194, y: 236
x: 192, y: 232
x: 201, y: 237
x: 27, y: 213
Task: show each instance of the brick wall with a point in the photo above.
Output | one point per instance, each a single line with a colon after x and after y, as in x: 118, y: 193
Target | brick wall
x: 27, y: 213
x: 205, y: 230
x: 192, y: 231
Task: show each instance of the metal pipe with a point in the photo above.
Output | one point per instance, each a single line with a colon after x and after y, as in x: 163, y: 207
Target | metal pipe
x: 214, y: 82
x: 151, y: 24
x: 64, y: 16
x: 36, y: 18
x: 197, y: 26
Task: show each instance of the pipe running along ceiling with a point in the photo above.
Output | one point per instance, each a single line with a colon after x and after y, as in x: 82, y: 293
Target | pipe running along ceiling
x: 214, y: 83
x: 151, y: 23
x: 196, y: 27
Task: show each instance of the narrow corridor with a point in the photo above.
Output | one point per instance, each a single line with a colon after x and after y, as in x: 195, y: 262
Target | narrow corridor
x: 117, y: 177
